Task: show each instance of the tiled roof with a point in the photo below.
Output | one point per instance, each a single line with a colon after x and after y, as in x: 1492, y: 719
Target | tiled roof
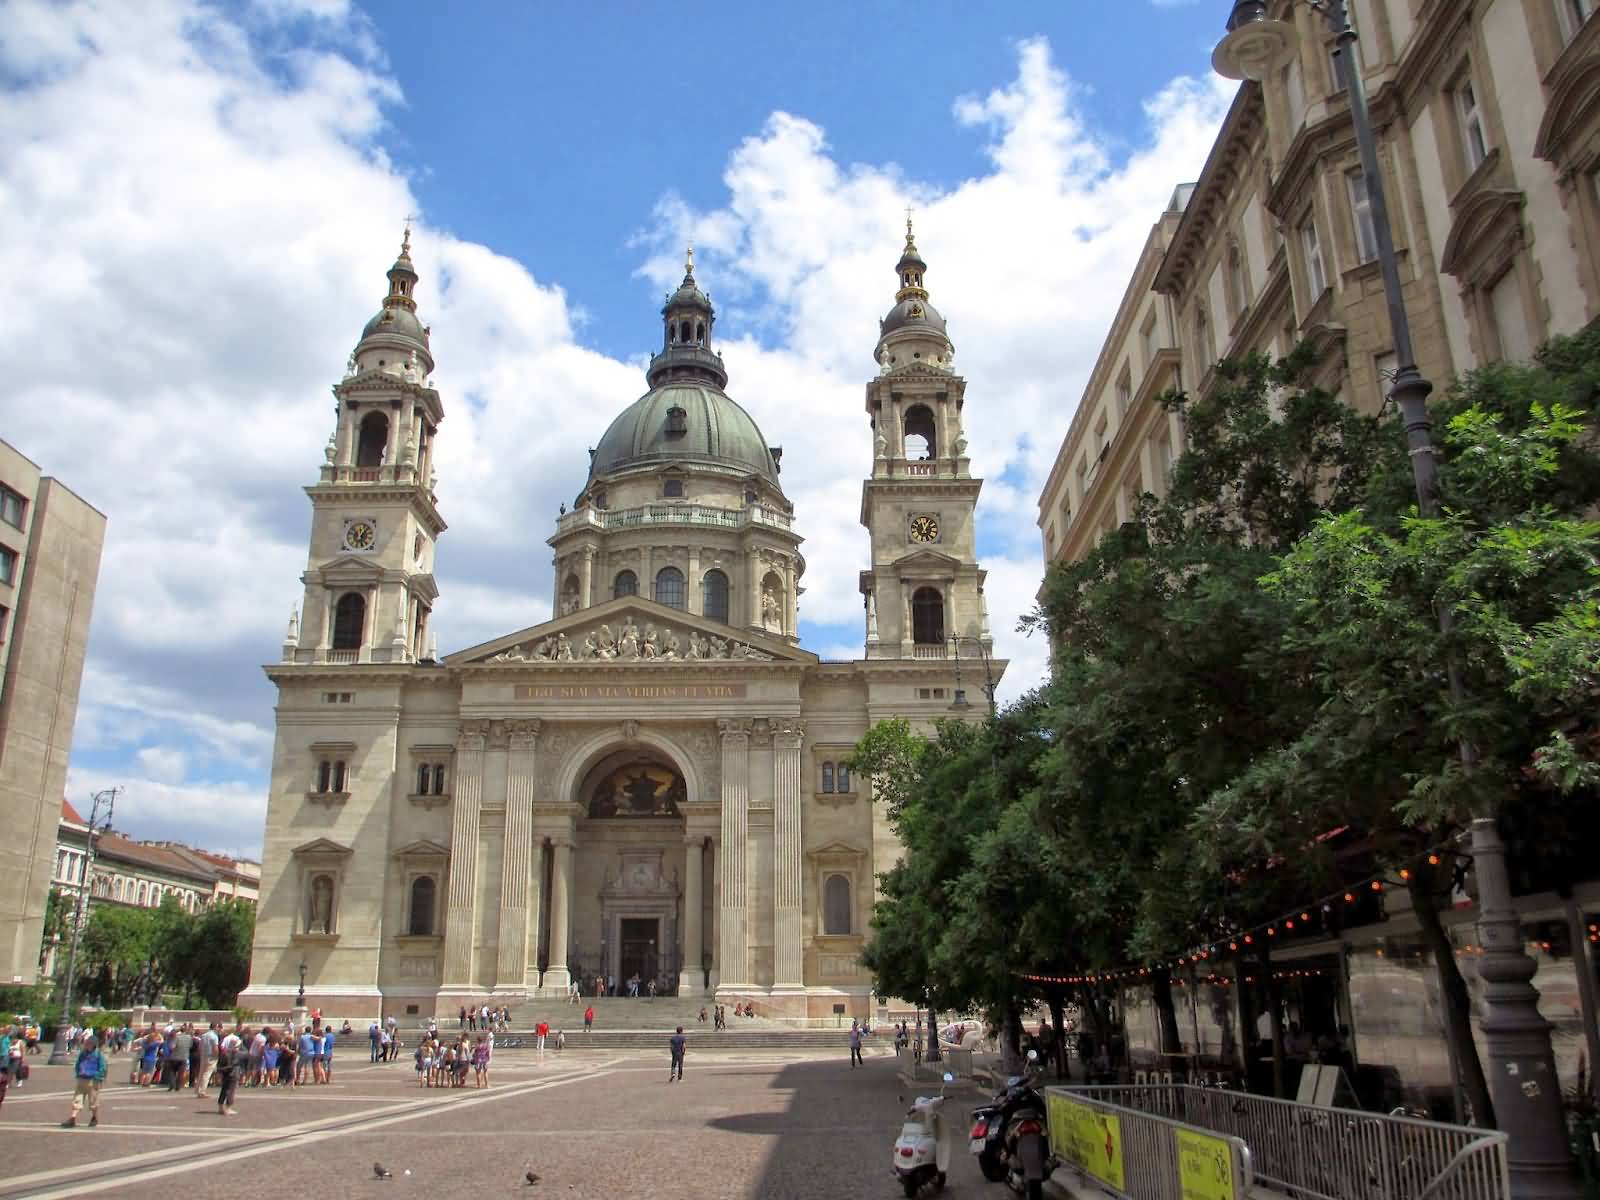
x: 115, y: 846
x: 68, y: 813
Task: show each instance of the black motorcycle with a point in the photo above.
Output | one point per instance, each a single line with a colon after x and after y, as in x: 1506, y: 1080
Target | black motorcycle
x: 1009, y: 1135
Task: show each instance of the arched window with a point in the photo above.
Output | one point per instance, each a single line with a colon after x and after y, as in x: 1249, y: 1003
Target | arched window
x: 827, y: 777
x: 844, y: 778
x: 627, y: 584
x: 420, y: 923
x: 836, y: 905
x: 319, y: 905
x: 349, y: 621
x: 116, y: 889
x: 325, y: 776
x: 438, y: 779
x: 700, y: 333
x: 927, y: 617
x: 338, y: 775
x: 424, y: 779
x: 714, y: 596
x: 144, y: 893
x: 569, y: 595
x: 372, y: 446
x: 669, y: 587
x: 921, y: 436
x: 672, y: 487
x: 677, y: 420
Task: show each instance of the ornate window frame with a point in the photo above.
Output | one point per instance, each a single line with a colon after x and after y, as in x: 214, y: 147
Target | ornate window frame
x: 837, y: 858
x: 1569, y: 140
x: 435, y: 756
x: 418, y: 860
x: 329, y: 783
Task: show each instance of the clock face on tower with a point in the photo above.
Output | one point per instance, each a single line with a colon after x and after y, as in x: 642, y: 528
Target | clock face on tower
x: 924, y: 528
x: 360, y: 535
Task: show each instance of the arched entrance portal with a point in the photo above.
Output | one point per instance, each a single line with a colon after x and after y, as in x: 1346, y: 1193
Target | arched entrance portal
x: 630, y: 843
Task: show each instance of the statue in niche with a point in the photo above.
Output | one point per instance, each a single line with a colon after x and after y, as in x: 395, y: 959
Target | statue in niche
x: 771, y: 608
x: 569, y: 604
x: 636, y: 791
x: 319, y: 918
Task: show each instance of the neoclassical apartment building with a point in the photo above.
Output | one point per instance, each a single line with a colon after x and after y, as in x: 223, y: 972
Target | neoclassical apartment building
x: 1487, y: 114
x: 652, y: 782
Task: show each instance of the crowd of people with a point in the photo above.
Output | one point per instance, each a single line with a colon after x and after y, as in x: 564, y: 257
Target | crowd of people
x: 483, y: 1017
x: 444, y: 1062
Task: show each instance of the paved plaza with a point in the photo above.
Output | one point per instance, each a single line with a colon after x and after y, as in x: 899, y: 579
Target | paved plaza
x: 589, y: 1123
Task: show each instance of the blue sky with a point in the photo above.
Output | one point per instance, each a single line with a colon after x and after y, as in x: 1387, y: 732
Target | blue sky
x: 204, y: 199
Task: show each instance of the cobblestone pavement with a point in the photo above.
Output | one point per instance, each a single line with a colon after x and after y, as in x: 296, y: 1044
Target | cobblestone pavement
x: 590, y: 1124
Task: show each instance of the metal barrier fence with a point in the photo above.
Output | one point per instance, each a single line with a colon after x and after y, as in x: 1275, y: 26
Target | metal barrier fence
x: 1140, y: 1155
x: 1335, y: 1153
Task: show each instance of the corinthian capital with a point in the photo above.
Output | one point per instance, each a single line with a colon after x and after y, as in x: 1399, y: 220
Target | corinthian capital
x: 733, y: 729
x: 522, y: 735
x: 788, y: 732
x: 473, y: 735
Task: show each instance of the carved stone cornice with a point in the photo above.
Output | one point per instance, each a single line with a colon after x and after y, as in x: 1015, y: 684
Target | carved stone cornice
x: 761, y: 733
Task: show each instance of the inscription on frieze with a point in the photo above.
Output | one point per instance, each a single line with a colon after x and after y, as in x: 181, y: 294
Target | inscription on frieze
x: 664, y: 692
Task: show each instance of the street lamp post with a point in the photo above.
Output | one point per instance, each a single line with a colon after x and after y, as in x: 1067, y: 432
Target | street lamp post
x: 959, y: 703
x: 60, y: 1051
x: 1521, y: 1065
x: 300, y: 996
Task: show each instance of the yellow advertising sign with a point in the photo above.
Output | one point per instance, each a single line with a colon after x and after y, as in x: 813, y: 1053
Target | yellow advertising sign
x: 1205, y: 1166
x: 1087, y: 1138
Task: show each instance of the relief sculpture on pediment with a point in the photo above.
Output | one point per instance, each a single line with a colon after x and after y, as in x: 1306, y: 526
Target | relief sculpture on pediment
x: 630, y: 642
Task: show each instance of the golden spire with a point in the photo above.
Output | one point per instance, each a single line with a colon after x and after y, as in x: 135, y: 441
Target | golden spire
x: 909, y: 240
x: 688, y: 260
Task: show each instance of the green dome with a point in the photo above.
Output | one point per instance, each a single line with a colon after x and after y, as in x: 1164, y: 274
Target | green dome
x: 394, y: 320
x: 714, y: 430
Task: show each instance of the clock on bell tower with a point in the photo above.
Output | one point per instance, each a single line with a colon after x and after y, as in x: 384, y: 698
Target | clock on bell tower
x: 925, y: 586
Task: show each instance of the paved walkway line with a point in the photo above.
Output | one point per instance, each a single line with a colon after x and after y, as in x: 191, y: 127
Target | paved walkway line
x: 264, y: 1141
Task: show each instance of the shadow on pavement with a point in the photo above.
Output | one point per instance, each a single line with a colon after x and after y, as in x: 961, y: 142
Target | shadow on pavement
x: 835, y: 1135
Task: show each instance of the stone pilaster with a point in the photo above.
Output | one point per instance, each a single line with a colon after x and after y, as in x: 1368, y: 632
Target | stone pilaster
x: 557, y: 975
x: 787, y: 846
x: 693, y: 974
x: 460, y: 927
x: 732, y: 958
x: 517, y: 866
x: 586, y: 578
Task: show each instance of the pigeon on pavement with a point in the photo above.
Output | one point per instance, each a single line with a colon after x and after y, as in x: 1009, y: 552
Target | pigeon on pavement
x: 532, y: 1178
x: 379, y: 1171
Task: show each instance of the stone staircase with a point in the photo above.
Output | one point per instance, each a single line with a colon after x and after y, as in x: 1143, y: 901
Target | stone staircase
x: 622, y: 1023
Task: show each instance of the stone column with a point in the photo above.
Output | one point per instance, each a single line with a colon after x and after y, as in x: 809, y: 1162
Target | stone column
x: 949, y: 590
x: 557, y: 975
x: 753, y: 589
x: 647, y: 579
x: 791, y: 598
x: 694, y: 594
x: 693, y: 904
x: 788, y: 963
x: 460, y: 926
x: 732, y: 958
x: 905, y: 618
x: 516, y: 869
x: 586, y: 578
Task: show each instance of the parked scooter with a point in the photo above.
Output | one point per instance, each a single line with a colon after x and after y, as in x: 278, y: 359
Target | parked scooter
x: 922, y: 1151
x: 1009, y: 1136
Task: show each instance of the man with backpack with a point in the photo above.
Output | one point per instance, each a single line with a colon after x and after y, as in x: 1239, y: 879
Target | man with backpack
x: 89, y: 1071
x: 231, y: 1058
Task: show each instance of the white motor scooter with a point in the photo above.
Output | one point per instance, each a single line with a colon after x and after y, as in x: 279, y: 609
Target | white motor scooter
x: 922, y: 1151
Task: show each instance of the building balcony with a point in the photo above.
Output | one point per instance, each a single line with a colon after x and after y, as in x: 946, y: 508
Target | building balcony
x: 658, y: 515
x: 389, y: 474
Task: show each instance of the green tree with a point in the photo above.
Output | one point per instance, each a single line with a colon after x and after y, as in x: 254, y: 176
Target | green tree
x: 219, y: 963
x: 1512, y: 557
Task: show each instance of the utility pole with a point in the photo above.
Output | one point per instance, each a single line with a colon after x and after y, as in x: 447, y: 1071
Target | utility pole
x: 60, y: 1051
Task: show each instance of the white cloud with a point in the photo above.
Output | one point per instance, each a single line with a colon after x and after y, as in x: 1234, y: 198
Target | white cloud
x: 204, y: 232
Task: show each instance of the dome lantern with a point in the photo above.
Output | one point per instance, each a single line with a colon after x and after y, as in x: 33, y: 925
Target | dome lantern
x: 687, y: 319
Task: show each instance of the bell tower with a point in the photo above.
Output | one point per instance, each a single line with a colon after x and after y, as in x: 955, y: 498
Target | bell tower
x: 925, y: 586
x: 369, y: 587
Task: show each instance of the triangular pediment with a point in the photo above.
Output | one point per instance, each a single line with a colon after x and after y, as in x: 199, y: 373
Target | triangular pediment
x: 835, y: 853
x: 320, y: 846
x: 423, y: 848
x: 924, y: 561
x: 351, y: 567
x: 632, y: 630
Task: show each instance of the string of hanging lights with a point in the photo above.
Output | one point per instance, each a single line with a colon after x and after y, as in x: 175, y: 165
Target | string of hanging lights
x: 1236, y: 942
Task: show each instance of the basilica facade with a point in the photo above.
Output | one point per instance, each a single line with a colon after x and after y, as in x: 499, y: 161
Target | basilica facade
x: 653, y: 782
